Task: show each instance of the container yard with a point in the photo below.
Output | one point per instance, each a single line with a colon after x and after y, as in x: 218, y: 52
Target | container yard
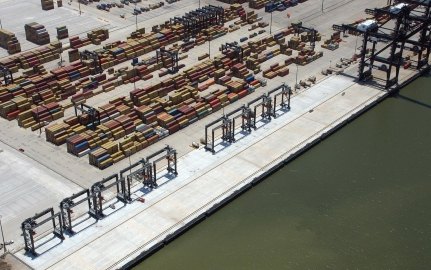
x: 123, y: 124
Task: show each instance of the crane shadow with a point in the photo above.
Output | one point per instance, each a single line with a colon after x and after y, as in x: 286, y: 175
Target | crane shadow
x: 423, y: 104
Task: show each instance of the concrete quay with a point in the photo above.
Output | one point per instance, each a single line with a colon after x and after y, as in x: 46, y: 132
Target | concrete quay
x: 24, y: 193
x: 37, y: 175
x: 206, y: 180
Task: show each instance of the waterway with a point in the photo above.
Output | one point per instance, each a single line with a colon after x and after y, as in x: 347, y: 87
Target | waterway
x: 359, y: 200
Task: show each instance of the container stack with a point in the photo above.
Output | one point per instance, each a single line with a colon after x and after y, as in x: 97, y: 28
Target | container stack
x: 233, y: 1
x: 108, y: 111
x: 146, y: 114
x: 38, y: 116
x: 126, y: 123
x: 76, y: 42
x: 257, y: 4
x: 165, y: 120
x: 73, y: 55
x: 251, y: 17
x: 40, y: 55
x: 62, y: 32
x: 201, y: 109
x: 100, y: 158
x: 57, y: 133
x: 49, y: 112
x: 333, y: 42
x: 213, y: 101
x: 294, y: 42
x: 97, y: 36
x: 307, y: 56
x: 233, y: 12
x: 234, y: 86
x: 148, y: 132
x: 11, y: 63
x: 240, y: 71
x: 9, y: 42
x: 113, y: 150
x: 276, y: 70
x: 284, y: 49
x: 11, y: 109
x: 47, y: 4
x: 36, y: 33
x: 214, y: 32
x: 128, y: 147
x: 200, y: 72
x: 115, y: 128
x: 78, y: 145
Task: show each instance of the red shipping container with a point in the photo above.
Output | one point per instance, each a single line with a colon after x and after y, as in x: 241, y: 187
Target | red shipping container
x: 12, y: 115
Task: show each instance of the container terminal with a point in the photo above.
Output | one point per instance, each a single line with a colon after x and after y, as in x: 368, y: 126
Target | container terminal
x: 125, y: 123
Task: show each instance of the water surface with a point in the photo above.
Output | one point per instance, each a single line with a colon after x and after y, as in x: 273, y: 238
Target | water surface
x: 359, y: 200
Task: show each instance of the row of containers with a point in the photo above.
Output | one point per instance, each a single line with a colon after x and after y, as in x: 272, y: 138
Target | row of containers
x: 77, y: 70
x: 149, y: 119
x: 126, y: 129
x: 36, y: 83
x: 172, y: 126
x: 170, y: 32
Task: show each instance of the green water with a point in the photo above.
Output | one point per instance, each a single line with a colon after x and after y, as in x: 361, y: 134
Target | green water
x: 359, y: 200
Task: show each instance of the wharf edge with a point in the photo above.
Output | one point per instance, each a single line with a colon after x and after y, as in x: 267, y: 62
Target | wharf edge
x: 147, y: 253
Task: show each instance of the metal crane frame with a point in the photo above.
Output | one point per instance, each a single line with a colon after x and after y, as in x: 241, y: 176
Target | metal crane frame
x: 188, y: 24
x: 89, y: 55
x: 29, y: 226
x: 246, y: 119
x: 248, y: 115
x: 67, y: 205
x: 285, y: 93
x: 147, y: 173
x: 217, y: 13
x: 424, y: 41
x: 170, y: 154
x: 197, y: 20
x: 7, y: 75
x: 406, y: 26
x: 299, y: 28
x: 226, y: 125
x: 143, y: 174
x: 265, y: 102
x: 174, y: 59
x: 98, y: 188
x: 227, y: 130
x: 93, y: 113
x: 238, y: 50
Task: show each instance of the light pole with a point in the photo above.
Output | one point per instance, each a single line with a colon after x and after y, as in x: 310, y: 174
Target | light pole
x: 38, y: 119
x: 199, y: 3
x: 134, y: 78
x: 322, y: 5
x: 136, y: 16
x: 209, y: 47
x: 79, y: 6
x: 1, y: 26
x: 356, y: 44
x: 2, y: 236
x: 270, y: 25
x: 296, y: 83
x: 130, y: 162
x: 129, y: 154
